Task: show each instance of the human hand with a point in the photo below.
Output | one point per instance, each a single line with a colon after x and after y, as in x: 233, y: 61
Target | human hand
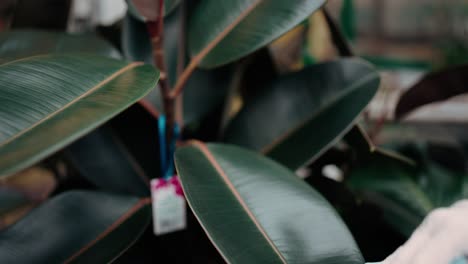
x: 440, y: 239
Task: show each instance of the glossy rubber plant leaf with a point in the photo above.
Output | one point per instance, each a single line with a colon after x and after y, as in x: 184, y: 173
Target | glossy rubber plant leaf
x: 205, y: 89
x: 257, y: 211
x: 301, y: 114
x: 46, y: 102
x: 103, y: 160
x: 77, y: 227
x: 97, y: 158
x: 229, y: 30
x: 25, y: 43
x: 145, y: 10
x: 437, y: 86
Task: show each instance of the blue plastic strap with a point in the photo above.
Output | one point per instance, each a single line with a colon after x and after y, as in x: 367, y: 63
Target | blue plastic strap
x: 166, y: 152
x: 162, y: 143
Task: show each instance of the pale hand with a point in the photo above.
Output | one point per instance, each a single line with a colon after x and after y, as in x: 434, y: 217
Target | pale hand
x: 440, y: 239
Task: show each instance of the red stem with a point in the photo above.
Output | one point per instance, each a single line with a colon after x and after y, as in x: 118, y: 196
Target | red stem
x: 179, y: 105
x: 156, y: 31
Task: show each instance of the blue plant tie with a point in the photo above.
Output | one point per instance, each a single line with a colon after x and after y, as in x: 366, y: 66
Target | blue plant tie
x: 166, y: 151
x: 162, y: 143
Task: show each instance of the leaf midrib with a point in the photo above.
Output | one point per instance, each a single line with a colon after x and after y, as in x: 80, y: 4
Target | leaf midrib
x: 130, y: 212
x: 230, y: 27
x: 8, y: 62
x: 211, y: 159
x: 197, y: 58
x: 72, y: 102
x: 367, y: 78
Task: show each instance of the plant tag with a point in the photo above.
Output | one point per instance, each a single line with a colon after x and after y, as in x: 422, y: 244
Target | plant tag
x: 169, y: 213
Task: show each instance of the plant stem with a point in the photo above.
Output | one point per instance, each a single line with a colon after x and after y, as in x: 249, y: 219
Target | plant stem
x: 337, y: 36
x: 156, y: 31
x: 179, y: 105
x: 182, y: 80
x: 181, y: 44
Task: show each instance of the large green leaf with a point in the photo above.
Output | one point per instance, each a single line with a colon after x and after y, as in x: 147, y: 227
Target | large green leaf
x: 257, y: 211
x: 144, y: 10
x: 79, y: 227
x: 237, y: 28
x: 26, y: 43
x: 301, y: 114
x: 48, y: 101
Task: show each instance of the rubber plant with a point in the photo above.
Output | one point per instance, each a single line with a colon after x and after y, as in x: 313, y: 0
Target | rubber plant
x: 242, y: 190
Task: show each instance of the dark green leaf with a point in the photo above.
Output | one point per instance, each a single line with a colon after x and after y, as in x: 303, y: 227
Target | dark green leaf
x: 237, y: 28
x: 46, y: 102
x: 434, y: 87
x: 300, y: 115
x: 79, y: 227
x: 102, y: 159
x: 25, y: 43
x: 257, y: 211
